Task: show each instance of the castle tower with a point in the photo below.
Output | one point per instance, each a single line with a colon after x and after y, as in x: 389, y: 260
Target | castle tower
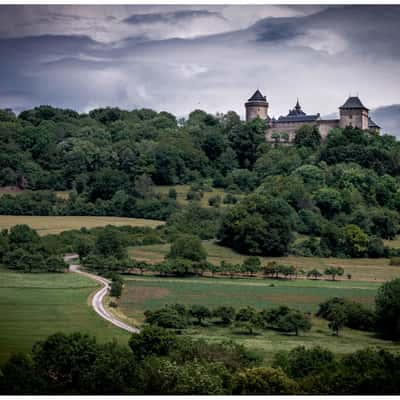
x: 257, y: 106
x: 353, y: 113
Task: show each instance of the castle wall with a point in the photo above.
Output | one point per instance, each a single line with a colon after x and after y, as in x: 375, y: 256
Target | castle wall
x: 354, y: 117
x: 284, y: 127
x: 325, y: 127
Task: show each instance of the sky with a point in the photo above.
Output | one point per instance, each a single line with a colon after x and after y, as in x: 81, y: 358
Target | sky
x: 179, y: 58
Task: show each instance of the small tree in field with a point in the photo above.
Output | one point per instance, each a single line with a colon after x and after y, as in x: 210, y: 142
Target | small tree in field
x: 334, y: 271
x: 314, y: 273
x: 200, y: 312
x: 188, y: 247
x: 294, y: 321
x: 337, y: 318
x: 248, y: 319
x: 252, y: 265
x: 226, y: 314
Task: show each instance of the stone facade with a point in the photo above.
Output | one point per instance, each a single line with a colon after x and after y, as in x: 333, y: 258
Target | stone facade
x: 351, y: 113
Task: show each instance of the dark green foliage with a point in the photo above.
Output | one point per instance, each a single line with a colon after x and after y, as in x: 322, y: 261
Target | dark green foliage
x: 294, y: 321
x: 110, y: 242
x: 214, y: 201
x: 199, y: 312
x: 307, y: 136
x: 285, y: 319
x: 334, y: 271
x: 301, y: 362
x: 56, y: 264
x: 167, y: 317
x: 159, y: 362
x: 195, y: 220
x: 187, y: 247
x: 258, y: 225
x: 226, y: 314
x: 263, y: 380
x: 252, y: 265
x: 152, y: 341
x: 116, y: 286
x: 352, y: 314
x: 363, y: 372
x: 388, y: 309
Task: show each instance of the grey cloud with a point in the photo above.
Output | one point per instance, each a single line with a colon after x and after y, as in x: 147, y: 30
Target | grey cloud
x: 285, y: 57
x: 169, y: 17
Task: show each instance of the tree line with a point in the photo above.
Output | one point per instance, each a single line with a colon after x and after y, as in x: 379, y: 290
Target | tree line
x: 160, y: 362
x: 343, y: 193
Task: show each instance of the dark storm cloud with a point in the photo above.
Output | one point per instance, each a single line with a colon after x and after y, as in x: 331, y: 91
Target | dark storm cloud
x: 90, y: 60
x: 169, y: 17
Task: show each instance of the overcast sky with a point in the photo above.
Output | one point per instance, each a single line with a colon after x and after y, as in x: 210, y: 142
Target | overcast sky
x: 178, y: 58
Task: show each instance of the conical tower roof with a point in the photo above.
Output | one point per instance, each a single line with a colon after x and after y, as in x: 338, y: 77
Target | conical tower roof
x: 257, y: 96
x: 353, y: 102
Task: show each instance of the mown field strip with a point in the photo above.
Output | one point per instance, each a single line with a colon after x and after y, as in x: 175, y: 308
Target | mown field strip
x: 46, y: 225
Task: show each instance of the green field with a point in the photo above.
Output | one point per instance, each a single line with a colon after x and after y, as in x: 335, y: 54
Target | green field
x: 33, y: 306
x: 361, y: 269
x: 54, y: 225
x: 147, y: 293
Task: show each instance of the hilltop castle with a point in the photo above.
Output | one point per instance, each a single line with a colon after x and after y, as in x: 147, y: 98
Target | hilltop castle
x: 352, y: 113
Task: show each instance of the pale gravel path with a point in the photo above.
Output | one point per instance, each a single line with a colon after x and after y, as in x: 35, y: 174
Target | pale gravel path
x: 98, y: 297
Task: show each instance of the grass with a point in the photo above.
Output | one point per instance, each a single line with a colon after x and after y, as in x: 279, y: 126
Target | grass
x: 33, y: 306
x: 361, y: 269
x: 54, y: 225
x: 149, y: 293
x: 182, y: 190
x: 395, y: 244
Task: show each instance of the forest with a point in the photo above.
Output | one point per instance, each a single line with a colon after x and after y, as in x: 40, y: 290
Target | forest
x: 343, y: 193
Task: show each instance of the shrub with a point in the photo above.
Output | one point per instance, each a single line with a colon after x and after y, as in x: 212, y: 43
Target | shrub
x: 188, y: 247
x: 214, y: 201
x: 387, y: 303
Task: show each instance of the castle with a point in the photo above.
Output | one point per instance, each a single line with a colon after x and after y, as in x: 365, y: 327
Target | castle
x: 352, y: 113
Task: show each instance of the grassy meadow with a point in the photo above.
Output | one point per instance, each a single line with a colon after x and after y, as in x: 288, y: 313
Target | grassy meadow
x: 182, y: 191
x: 33, y: 306
x: 149, y: 293
x: 53, y: 225
x: 361, y: 269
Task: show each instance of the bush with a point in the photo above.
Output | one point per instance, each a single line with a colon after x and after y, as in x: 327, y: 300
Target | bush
x: 258, y: 225
x: 230, y: 199
x: 301, y: 362
x: 194, y: 196
x: 387, y: 303
x: 357, y: 316
x: 214, y: 201
x: 167, y: 317
x: 188, y: 247
x: 258, y: 381
x: 116, y: 287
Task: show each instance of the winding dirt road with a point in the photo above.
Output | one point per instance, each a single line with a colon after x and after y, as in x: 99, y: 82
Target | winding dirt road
x: 98, y: 297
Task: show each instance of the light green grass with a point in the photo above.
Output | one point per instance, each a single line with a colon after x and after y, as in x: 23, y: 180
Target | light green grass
x: 54, y: 225
x: 182, y: 191
x: 361, y: 269
x: 33, y: 306
x: 149, y: 293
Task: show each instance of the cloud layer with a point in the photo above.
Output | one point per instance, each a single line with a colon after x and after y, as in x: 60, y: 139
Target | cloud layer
x: 178, y: 58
